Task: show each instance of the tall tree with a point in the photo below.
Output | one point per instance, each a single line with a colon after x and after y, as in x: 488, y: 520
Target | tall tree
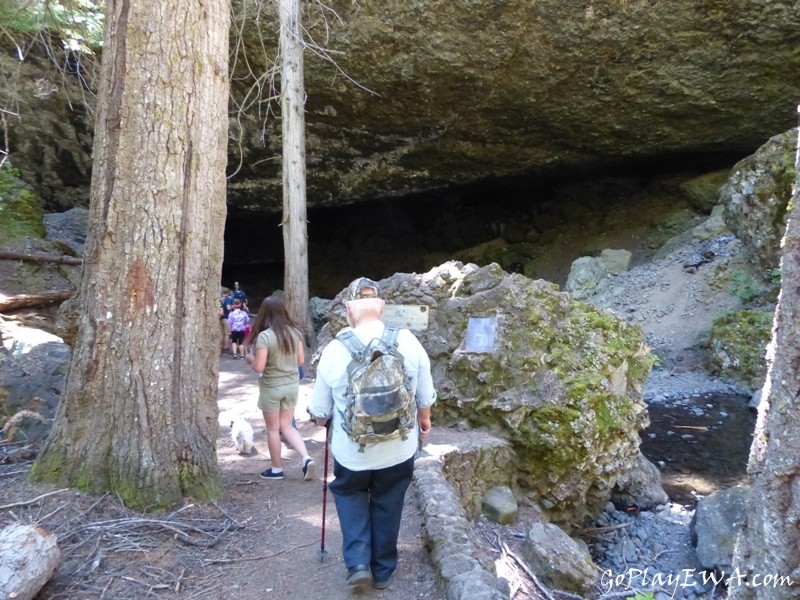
x: 293, y: 125
x: 767, y: 547
x: 138, y: 416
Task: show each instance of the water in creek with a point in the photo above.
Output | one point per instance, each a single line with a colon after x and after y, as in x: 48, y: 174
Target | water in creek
x: 700, y: 443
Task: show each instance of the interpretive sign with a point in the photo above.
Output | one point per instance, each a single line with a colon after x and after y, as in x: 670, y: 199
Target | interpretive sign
x: 410, y: 316
x: 481, y: 335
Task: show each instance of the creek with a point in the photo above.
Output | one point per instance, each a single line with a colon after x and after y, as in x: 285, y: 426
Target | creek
x: 700, y: 442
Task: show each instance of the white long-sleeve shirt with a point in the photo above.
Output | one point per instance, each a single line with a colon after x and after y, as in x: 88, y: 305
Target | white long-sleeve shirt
x: 331, y: 385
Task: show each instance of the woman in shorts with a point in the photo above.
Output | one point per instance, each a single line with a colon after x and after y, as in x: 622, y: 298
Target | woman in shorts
x: 279, y: 352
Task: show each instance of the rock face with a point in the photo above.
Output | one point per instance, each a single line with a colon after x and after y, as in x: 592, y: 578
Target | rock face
x: 427, y: 94
x: 738, y: 347
x: 756, y: 198
x: 717, y: 522
x: 561, y: 380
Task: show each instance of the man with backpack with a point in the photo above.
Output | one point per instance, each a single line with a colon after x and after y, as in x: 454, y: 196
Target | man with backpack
x: 374, y: 390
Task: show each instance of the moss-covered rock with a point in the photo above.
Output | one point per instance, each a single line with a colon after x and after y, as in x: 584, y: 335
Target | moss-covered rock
x: 20, y: 214
x: 562, y: 382
x: 738, y: 342
x: 756, y: 199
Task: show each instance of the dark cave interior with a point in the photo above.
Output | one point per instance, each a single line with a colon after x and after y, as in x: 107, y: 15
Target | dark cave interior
x: 544, y: 222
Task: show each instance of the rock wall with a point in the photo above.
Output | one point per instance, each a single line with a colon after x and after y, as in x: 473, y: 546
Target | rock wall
x: 413, y: 95
x: 756, y: 198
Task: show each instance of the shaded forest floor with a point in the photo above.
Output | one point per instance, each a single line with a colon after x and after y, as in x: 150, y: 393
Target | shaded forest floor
x: 262, y: 542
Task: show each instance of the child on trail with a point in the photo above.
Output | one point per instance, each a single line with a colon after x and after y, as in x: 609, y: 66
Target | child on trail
x: 238, y: 321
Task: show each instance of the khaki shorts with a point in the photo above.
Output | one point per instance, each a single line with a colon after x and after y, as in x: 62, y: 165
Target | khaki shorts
x: 276, y: 398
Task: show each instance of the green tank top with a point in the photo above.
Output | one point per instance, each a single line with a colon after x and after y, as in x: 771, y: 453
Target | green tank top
x: 281, y: 368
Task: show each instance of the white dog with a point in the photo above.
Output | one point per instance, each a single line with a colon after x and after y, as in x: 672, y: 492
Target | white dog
x: 242, y: 436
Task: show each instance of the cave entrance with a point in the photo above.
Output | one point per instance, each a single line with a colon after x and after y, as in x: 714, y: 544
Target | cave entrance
x: 531, y: 225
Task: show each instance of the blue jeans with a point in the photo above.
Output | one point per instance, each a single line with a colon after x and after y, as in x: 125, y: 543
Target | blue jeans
x: 370, y: 505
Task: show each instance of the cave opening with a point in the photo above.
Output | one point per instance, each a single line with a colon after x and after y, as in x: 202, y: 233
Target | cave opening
x: 535, y: 224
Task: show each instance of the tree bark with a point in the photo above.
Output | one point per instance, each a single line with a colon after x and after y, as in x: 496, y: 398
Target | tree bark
x: 138, y: 416
x: 36, y: 257
x: 768, y: 543
x: 31, y: 300
x: 28, y: 558
x: 295, y: 236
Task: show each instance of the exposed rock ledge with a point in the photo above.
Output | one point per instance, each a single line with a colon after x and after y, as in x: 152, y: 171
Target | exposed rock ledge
x: 428, y: 94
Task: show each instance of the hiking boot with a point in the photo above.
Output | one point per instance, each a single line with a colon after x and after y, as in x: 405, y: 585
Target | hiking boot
x: 309, y: 468
x: 358, y: 575
x: 270, y: 474
x: 380, y: 585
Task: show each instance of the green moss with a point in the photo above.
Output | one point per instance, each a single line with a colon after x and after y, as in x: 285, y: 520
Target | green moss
x: 784, y: 177
x: 20, y: 214
x: 738, y: 342
x: 84, y: 482
x: 47, y: 468
x: 581, y: 350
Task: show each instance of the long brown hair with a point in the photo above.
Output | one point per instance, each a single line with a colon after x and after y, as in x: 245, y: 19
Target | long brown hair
x: 272, y: 314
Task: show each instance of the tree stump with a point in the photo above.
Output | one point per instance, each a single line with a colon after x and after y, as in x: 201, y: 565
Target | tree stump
x: 29, y: 556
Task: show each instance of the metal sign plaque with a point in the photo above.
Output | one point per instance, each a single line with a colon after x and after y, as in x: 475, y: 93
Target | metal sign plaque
x: 481, y: 335
x: 410, y: 316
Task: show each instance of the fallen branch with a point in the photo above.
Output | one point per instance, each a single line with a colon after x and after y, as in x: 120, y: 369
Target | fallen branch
x: 33, y: 501
x: 221, y: 561
x: 31, y: 257
x: 593, y: 530
x: 30, y: 300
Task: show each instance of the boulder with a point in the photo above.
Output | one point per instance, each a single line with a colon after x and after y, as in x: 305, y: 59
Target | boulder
x: 756, y: 198
x: 703, y: 190
x: 33, y: 380
x: 616, y: 261
x: 559, y: 560
x: 738, y: 347
x: 69, y: 228
x: 641, y: 487
x: 500, y: 505
x: 716, y: 525
x: 585, y: 276
x: 561, y: 380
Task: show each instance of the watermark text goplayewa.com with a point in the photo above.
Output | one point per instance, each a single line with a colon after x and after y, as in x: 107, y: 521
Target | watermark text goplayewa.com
x: 686, y: 578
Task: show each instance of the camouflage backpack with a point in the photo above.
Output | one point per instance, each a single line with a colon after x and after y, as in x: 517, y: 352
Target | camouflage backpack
x: 380, y: 403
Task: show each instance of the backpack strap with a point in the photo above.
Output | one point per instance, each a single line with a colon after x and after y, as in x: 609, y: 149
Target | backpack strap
x: 351, y: 342
x: 356, y: 348
x: 389, y: 338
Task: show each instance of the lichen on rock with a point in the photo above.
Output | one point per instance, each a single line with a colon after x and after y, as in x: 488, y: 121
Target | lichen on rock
x: 562, y: 383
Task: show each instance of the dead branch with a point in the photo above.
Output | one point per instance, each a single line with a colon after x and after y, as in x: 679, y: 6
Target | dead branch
x: 31, y: 300
x: 540, y: 587
x: 220, y: 561
x: 39, y: 257
x: 593, y: 530
x: 33, y: 501
x: 180, y: 530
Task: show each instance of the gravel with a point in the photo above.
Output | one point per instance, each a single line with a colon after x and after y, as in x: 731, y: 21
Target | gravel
x: 674, y: 299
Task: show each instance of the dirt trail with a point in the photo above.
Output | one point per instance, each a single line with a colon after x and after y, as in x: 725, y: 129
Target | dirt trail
x: 284, y: 517
x: 261, y: 542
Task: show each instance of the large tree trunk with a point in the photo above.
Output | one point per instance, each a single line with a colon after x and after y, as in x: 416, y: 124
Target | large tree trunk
x: 769, y: 542
x: 138, y: 416
x: 295, y: 238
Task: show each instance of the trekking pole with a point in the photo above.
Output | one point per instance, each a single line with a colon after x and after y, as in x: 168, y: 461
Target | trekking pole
x: 322, y: 552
